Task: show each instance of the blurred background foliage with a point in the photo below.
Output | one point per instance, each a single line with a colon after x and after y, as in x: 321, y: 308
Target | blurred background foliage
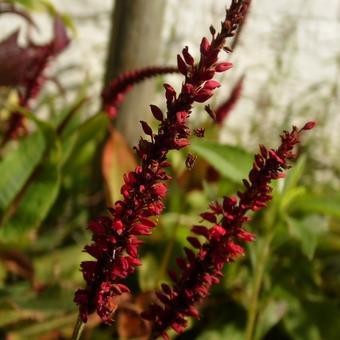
x: 69, y: 167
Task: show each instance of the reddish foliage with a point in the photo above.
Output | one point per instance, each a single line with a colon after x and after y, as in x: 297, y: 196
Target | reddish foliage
x: 23, y: 68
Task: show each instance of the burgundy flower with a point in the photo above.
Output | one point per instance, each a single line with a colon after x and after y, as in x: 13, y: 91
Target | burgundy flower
x: 200, y: 270
x: 113, y: 94
x: 115, y: 244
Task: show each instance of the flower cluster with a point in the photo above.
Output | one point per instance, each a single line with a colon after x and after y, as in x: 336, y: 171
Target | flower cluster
x: 115, y: 244
x: 200, y: 270
x: 113, y: 94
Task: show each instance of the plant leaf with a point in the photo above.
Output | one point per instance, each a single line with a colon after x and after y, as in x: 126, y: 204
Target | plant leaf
x: 307, y: 231
x: 33, y: 205
x: 230, y: 161
x: 17, y: 167
x: 117, y: 159
x: 326, y: 204
x: 269, y: 317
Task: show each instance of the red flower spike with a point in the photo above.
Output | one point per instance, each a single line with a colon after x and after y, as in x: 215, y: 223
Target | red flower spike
x: 114, y: 93
x: 200, y: 270
x: 119, y: 259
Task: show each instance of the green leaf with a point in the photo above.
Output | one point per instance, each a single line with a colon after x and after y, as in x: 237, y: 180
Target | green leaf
x: 39, y: 328
x: 61, y: 265
x: 18, y: 165
x: 269, y: 317
x: 147, y: 273
x: 326, y: 204
x: 81, y: 138
x: 34, y: 203
x: 230, y: 161
x: 289, y: 197
x: 294, y: 174
x: 35, y: 5
x: 312, y: 320
x: 230, y: 332
x: 90, y: 129
x: 307, y: 231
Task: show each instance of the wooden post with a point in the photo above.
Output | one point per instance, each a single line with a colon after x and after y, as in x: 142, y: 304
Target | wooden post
x: 135, y: 42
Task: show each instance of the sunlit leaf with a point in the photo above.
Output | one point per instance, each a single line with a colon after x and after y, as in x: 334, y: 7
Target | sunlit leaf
x: 117, y: 159
x: 230, y: 161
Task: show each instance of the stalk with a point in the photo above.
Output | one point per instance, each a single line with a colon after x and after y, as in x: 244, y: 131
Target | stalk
x: 259, y: 274
x: 78, y: 329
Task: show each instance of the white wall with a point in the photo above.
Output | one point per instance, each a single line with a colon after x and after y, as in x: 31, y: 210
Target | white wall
x: 305, y: 34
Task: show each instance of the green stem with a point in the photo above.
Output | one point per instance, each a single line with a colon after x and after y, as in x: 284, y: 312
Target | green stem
x: 78, y: 329
x: 258, y: 279
x: 168, y: 251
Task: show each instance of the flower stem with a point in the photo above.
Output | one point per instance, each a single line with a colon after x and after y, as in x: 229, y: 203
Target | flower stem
x: 78, y: 329
x: 259, y: 274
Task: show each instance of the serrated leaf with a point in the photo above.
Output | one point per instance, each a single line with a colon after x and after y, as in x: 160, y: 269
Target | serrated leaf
x: 230, y: 161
